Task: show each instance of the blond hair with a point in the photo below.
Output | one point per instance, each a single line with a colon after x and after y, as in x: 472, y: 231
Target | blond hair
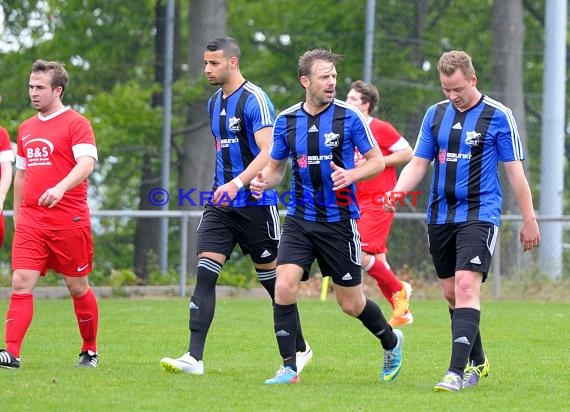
x: 454, y: 60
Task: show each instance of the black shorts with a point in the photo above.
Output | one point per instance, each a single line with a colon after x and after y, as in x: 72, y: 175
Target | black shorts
x: 255, y: 228
x: 462, y: 246
x: 335, y: 245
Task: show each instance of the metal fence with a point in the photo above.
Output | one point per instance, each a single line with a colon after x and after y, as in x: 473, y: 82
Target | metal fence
x: 407, y: 242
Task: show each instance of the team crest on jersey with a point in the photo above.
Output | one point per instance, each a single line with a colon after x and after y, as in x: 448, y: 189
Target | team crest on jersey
x: 331, y: 139
x: 472, y: 138
x: 235, y: 124
x: 302, y: 161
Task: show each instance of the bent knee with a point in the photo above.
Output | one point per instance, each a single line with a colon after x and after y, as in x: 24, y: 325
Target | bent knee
x: 350, y: 311
x: 465, y: 292
x: 352, y: 307
x: 449, y: 296
x: 285, y: 293
x: 24, y: 281
x: 77, y: 286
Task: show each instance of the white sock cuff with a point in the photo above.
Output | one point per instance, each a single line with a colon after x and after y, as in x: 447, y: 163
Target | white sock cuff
x: 370, y: 263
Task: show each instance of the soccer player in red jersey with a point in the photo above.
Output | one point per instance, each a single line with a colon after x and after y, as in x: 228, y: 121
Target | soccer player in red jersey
x: 374, y: 224
x: 6, y: 160
x: 56, y: 153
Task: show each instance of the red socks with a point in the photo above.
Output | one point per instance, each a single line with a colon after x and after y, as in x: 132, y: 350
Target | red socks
x: 385, y: 278
x: 87, y: 313
x: 18, y: 320
x: 21, y: 311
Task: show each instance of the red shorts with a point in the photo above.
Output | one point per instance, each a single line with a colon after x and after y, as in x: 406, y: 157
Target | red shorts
x: 374, y: 227
x: 68, y: 251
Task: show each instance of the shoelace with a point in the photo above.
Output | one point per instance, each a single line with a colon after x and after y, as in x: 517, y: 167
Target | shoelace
x: 396, y: 298
x: 399, y: 304
x: 283, y: 371
x: 470, y: 371
x: 450, y: 378
x: 389, y: 357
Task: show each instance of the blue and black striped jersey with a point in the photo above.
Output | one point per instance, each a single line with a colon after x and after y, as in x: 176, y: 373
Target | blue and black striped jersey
x: 234, y: 121
x: 466, y: 148
x: 312, y: 142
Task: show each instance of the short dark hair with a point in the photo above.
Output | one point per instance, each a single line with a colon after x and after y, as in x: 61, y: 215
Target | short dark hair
x: 368, y: 93
x: 228, y: 45
x: 59, y: 76
x: 309, y: 57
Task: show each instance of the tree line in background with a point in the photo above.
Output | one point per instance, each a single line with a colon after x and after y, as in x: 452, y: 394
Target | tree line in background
x: 115, y: 54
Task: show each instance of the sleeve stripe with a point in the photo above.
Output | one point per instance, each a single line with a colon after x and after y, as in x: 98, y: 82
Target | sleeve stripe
x: 515, y: 137
x: 20, y: 163
x: 85, y: 149
x: 348, y: 106
x: 7, y: 156
x: 261, y: 101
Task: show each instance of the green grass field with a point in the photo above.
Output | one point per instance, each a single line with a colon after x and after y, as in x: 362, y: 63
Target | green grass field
x: 527, y: 344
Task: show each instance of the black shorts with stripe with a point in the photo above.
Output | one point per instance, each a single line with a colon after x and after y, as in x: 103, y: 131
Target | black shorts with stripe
x: 256, y: 229
x: 335, y: 246
x: 462, y: 246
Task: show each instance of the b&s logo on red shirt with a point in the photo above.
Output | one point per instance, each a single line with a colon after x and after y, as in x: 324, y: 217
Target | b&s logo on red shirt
x: 38, y: 152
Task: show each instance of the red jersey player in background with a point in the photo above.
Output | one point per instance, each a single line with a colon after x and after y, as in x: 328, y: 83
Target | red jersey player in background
x: 6, y: 160
x: 374, y: 224
x: 56, y: 153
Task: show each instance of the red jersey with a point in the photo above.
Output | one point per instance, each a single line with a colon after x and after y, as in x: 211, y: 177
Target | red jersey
x: 6, y: 155
x: 47, y: 149
x: 386, y: 136
x: 6, y: 152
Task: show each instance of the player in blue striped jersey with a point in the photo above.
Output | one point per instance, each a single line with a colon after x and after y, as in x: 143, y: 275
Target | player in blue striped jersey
x: 465, y: 136
x: 241, y: 120
x: 320, y: 135
x: 237, y: 121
